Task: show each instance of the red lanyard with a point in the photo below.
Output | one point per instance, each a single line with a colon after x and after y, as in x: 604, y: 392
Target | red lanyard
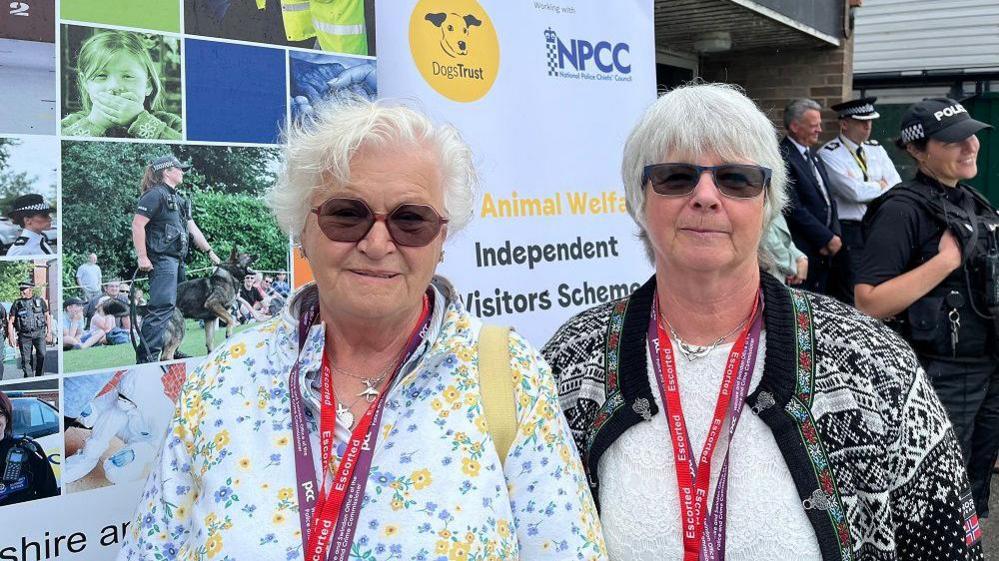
x: 693, y: 480
x: 330, y: 505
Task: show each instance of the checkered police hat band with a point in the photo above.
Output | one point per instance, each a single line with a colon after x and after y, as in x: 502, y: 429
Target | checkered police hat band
x: 862, y: 110
x: 39, y: 206
x: 163, y: 165
x: 912, y: 133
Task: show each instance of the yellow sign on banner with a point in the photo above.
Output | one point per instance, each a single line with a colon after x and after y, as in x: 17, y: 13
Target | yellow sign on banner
x: 455, y: 48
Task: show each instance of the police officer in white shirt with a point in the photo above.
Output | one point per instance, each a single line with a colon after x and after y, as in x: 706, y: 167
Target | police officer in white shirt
x: 34, y: 216
x: 859, y: 172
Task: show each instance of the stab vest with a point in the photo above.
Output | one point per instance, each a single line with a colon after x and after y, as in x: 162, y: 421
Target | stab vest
x: 927, y: 324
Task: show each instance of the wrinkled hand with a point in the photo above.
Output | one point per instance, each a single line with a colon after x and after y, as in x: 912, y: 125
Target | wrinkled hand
x: 949, y: 251
x: 833, y: 247
x: 120, y: 109
x: 214, y: 258
x: 314, y: 84
x: 144, y: 263
x: 801, y: 274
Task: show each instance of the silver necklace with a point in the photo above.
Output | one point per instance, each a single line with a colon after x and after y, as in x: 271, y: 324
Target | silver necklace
x: 369, y: 393
x: 693, y: 352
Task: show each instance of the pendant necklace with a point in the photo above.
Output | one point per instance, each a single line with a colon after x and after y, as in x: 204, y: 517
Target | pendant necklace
x: 370, y: 392
x: 693, y: 352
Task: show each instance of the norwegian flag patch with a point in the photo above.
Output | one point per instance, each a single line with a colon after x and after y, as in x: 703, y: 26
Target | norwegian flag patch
x: 972, y: 527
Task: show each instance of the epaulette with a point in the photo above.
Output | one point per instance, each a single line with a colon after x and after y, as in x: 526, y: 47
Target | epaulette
x: 832, y: 145
x: 21, y: 240
x: 872, y: 142
x: 32, y: 446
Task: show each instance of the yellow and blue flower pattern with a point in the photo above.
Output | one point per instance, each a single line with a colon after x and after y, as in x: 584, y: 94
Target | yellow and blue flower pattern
x: 224, y: 486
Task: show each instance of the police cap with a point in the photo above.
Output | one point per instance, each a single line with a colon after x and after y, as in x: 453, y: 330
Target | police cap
x: 26, y: 205
x: 166, y: 162
x: 25, y: 284
x: 861, y: 109
x: 72, y: 301
x: 941, y: 118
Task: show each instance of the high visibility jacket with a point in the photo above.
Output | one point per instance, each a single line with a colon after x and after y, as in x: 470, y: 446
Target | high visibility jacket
x: 338, y: 25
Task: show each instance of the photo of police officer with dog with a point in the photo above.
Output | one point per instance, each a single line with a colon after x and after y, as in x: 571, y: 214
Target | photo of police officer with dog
x: 159, y: 219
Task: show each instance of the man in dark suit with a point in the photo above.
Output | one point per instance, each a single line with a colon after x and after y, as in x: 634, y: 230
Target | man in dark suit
x: 811, y: 215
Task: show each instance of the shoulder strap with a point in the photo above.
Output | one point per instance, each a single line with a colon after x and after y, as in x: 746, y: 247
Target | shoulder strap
x: 496, y: 383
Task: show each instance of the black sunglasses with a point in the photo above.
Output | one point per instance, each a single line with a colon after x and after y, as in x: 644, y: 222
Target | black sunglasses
x: 350, y: 220
x: 736, y: 181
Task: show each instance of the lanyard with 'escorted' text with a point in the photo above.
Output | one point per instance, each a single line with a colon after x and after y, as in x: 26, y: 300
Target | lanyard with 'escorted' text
x: 329, y: 515
x: 703, y: 534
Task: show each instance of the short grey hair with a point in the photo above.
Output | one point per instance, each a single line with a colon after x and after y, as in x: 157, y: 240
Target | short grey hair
x: 797, y: 109
x: 319, y: 148
x: 702, y: 119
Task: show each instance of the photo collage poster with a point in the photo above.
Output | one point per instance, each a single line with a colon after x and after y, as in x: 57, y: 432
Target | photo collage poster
x: 92, y: 94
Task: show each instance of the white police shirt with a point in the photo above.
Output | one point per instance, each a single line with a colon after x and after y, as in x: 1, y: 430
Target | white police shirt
x: 848, y: 185
x: 29, y: 243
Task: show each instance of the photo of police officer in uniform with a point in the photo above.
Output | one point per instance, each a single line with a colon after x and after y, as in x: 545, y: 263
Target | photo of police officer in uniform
x: 34, y: 216
x: 161, y: 228
x: 196, y: 211
x: 26, y: 473
x: 28, y: 176
x: 344, y: 26
x: 30, y: 327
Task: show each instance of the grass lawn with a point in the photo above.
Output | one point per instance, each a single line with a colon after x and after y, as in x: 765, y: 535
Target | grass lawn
x: 112, y: 356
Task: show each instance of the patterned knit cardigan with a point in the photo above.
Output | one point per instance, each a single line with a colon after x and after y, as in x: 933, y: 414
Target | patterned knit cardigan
x: 869, y: 446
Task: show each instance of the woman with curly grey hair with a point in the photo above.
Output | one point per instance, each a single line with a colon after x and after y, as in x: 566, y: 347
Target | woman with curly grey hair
x: 355, y: 425
x: 723, y: 415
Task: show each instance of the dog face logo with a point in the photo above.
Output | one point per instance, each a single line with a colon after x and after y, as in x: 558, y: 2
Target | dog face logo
x: 455, y: 49
x: 454, y: 31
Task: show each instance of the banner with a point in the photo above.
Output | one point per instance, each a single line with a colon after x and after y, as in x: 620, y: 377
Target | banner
x: 545, y: 94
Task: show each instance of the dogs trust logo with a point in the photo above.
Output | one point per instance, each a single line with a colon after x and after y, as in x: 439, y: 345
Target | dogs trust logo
x: 455, y: 48
x: 585, y: 60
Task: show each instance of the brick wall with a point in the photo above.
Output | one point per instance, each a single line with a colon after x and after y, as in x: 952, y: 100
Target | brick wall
x: 773, y: 79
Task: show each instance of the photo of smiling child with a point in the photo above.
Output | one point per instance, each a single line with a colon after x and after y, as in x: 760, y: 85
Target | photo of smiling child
x: 120, y: 84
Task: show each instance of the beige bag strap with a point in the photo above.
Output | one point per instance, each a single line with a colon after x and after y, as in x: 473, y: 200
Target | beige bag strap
x: 496, y: 383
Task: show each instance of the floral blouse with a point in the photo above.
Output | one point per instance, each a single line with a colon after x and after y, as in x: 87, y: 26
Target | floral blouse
x: 224, y: 485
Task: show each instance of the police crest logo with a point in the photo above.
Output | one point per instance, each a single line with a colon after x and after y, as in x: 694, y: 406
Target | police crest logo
x: 455, y: 47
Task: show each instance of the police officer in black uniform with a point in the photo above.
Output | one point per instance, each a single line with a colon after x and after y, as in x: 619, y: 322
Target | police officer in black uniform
x: 4, y: 335
x: 25, y: 471
x: 31, y: 321
x: 931, y: 265
x: 161, y: 230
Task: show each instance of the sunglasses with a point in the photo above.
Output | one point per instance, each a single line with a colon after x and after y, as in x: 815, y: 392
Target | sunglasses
x: 350, y: 220
x: 736, y: 181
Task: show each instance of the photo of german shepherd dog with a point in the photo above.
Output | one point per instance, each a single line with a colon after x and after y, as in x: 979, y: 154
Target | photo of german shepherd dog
x: 208, y: 299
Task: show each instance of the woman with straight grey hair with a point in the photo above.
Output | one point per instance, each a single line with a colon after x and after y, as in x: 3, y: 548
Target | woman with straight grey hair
x: 375, y: 418
x: 723, y: 415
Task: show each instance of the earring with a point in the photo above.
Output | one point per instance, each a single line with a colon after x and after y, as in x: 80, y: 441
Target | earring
x: 301, y: 251
x: 441, y: 260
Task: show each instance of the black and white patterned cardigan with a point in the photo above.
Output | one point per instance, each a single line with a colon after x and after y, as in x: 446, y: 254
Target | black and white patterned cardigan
x: 869, y: 446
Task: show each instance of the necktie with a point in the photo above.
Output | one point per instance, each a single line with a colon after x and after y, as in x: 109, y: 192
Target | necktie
x: 818, y: 181
x: 862, y: 160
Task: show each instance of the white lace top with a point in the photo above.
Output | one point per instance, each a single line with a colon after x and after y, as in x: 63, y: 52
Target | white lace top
x: 638, y: 491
